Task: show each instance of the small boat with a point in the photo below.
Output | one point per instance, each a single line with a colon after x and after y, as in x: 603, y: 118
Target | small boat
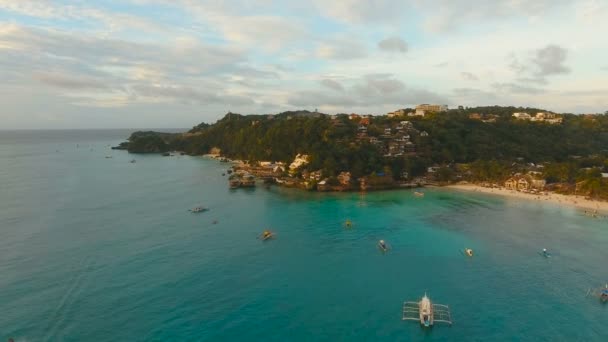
x: 601, y: 293
x: 468, y: 252
x: 545, y: 253
x: 426, y: 312
x: 133, y: 161
x: 348, y: 224
x: 418, y: 194
x: 108, y: 157
x: 166, y: 154
x: 266, y: 235
x: 382, y: 245
x: 223, y: 174
x: 198, y: 210
x: 214, y: 222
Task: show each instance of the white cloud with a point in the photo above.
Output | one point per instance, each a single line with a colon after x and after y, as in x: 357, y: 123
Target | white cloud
x: 393, y: 44
x: 341, y: 49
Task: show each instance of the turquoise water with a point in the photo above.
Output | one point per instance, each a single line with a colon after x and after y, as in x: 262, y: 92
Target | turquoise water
x: 97, y: 249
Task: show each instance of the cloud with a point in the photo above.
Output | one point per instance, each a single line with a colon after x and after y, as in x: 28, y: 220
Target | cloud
x: 393, y: 44
x: 70, y: 82
x: 539, y: 64
x: 113, y: 21
x: 467, y: 76
x: 370, y: 91
x: 341, y: 48
x: 550, y: 61
x: 382, y: 12
x: 331, y: 84
x: 448, y: 15
x: 441, y: 65
x: 514, y: 88
x: 188, y: 95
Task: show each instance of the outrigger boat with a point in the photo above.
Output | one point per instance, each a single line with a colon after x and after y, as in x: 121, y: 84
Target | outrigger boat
x: 426, y: 312
x: 382, y: 245
x: 267, y: 234
x: 198, y: 210
x: 468, y: 252
x: 418, y: 194
x: 601, y: 293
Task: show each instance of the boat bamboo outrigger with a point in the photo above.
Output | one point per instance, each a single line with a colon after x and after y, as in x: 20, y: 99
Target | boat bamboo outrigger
x: 418, y: 194
x: 382, y: 245
x: 267, y: 234
x: 198, y: 210
x: 468, y: 252
x: 426, y: 312
x: 601, y: 293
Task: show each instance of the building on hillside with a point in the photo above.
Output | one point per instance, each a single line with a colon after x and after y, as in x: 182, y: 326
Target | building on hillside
x: 475, y: 116
x: 344, y: 178
x: 419, y: 112
x: 432, y: 107
x: 490, y: 118
x: 364, y: 121
x: 299, y: 161
x: 555, y: 121
x: 522, y: 116
x: 409, y: 147
x: 397, y: 113
x: 354, y: 116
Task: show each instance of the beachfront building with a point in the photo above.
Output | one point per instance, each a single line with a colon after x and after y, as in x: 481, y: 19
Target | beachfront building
x: 344, y: 178
x: 523, y: 184
x: 538, y: 184
x: 511, y: 184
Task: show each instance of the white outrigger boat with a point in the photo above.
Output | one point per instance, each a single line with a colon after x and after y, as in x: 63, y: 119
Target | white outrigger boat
x: 426, y: 312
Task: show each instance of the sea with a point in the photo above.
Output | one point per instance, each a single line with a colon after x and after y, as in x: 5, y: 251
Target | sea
x: 94, y: 247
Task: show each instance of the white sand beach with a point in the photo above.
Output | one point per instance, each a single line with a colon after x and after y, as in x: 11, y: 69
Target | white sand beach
x: 565, y: 200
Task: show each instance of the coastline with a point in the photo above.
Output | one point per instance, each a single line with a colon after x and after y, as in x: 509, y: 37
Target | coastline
x: 578, y: 202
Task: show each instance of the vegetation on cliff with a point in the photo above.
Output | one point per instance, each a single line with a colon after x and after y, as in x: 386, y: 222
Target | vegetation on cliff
x: 573, y: 151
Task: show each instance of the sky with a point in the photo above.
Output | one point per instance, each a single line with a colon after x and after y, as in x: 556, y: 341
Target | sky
x: 176, y: 63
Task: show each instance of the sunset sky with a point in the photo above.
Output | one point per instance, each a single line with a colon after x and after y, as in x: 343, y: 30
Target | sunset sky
x: 175, y: 63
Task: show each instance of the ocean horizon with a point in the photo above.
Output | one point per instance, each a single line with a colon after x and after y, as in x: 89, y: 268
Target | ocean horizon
x: 96, y: 248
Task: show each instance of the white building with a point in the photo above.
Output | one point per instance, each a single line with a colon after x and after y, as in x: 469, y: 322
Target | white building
x: 522, y: 116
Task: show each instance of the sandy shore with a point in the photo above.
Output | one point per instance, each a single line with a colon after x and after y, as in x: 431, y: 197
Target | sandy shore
x: 565, y: 200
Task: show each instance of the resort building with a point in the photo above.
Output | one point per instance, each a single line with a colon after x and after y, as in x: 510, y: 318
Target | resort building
x: 432, y: 108
x: 397, y: 113
x: 299, y: 161
x: 511, y: 184
x: 522, y: 116
x: 344, y: 178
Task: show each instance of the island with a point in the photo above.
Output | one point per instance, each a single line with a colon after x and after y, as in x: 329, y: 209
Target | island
x: 528, y: 150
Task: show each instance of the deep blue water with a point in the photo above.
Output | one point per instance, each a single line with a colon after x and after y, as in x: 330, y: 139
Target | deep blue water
x: 98, y: 249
